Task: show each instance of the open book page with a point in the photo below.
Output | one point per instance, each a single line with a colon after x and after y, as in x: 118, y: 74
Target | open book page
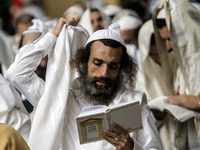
x: 181, y: 114
x: 126, y: 110
x: 92, y: 122
x: 90, y: 110
x: 178, y: 112
x: 158, y: 103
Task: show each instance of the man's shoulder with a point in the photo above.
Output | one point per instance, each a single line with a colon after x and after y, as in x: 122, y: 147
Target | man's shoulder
x: 134, y: 95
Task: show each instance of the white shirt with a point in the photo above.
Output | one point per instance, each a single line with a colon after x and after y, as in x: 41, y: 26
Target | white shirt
x: 12, y: 111
x: 7, y: 55
x: 22, y: 75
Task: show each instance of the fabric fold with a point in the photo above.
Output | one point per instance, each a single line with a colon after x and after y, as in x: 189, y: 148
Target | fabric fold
x: 51, y: 109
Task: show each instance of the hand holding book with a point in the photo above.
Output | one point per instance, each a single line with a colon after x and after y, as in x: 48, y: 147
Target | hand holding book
x: 92, y: 122
x: 121, y: 139
x: 178, y: 112
x: 187, y: 101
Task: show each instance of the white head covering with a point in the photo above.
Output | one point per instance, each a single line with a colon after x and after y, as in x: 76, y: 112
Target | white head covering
x: 40, y: 26
x: 161, y: 14
x: 113, y: 33
x: 152, y: 4
x: 37, y: 27
x: 34, y: 10
x: 150, y: 78
x: 85, y: 20
x: 111, y: 10
x: 129, y: 22
x: 73, y: 11
x: 69, y: 41
x: 123, y: 13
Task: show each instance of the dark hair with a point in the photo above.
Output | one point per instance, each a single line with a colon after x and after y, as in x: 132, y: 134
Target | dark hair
x: 153, y: 39
x: 94, y: 9
x: 20, y: 42
x: 24, y: 18
x: 160, y: 23
x: 128, y: 68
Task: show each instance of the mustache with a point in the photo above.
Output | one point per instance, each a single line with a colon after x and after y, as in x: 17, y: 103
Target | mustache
x: 102, y: 79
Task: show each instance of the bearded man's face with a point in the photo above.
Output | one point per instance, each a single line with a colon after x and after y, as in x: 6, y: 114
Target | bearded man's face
x: 101, y: 81
x: 99, y: 94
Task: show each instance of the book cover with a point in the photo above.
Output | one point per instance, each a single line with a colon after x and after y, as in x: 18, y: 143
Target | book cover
x: 93, y: 120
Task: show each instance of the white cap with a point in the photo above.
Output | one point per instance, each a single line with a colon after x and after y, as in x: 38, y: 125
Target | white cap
x: 161, y: 14
x: 113, y: 33
x: 111, y: 10
x: 129, y: 22
x: 73, y: 11
x: 37, y: 27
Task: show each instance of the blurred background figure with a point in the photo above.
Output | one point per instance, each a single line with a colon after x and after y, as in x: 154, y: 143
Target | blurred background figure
x: 130, y: 24
x: 21, y: 24
x: 150, y: 78
x: 94, y: 19
x: 12, y: 111
x: 7, y: 55
x: 37, y: 30
x: 75, y: 11
x: 111, y: 10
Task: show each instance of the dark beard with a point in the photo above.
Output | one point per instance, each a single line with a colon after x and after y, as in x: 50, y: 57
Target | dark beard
x: 99, y: 94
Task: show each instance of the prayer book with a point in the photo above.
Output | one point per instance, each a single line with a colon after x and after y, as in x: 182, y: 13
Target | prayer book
x: 93, y: 120
x: 180, y: 113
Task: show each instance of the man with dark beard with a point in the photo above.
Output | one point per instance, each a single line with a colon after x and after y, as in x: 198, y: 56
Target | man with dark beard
x: 101, y: 89
x: 103, y: 66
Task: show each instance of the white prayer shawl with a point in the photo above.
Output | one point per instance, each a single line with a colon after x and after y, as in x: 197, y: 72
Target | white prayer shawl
x: 168, y: 61
x: 55, y: 98
x: 126, y: 12
x: 129, y: 20
x: 74, y: 11
x: 182, y: 21
x: 65, y: 108
x: 85, y: 21
x: 70, y: 135
x: 111, y: 10
x: 12, y: 111
x: 150, y: 78
x: 185, y: 41
x: 7, y: 55
x: 150, y: 81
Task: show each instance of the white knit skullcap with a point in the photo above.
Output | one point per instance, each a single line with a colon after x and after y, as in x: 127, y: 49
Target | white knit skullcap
x: 161, y: 14
x: 129, y: 22
x: 111, y: 10
x: 37, y: 27
x: 112, y: 33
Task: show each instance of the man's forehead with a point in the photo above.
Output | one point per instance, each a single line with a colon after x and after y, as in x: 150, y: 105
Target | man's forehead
x: 98, y: 48
x: 94, y: 14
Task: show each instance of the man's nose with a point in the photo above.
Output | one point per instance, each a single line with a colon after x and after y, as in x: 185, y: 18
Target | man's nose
x: 104, y: 71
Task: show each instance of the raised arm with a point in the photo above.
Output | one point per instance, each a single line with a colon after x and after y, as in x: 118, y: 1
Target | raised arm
x: 21, y: 73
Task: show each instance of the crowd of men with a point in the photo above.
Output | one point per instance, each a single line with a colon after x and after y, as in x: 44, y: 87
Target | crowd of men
x: 52, y: 69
